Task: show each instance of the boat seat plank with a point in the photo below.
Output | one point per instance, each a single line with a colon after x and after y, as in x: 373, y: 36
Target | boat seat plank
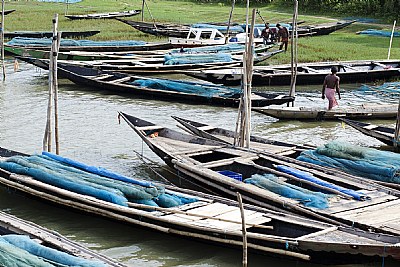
x: 379, y: 64
x: 104, y: 76
x: 339, y: 204
x: 206, y: 128
x: 310, y: 69
x: 251, y: 218
x: 370, y: 127
x: 376, y: 215
x: 349, y: 67
x: 150, y: 127
x: 125, y: 79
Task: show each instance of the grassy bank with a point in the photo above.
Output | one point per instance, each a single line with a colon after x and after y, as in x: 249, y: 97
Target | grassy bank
x: 342, y: 45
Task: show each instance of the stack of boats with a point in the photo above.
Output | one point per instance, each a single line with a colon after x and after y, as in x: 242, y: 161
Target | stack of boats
x: 292, y: 208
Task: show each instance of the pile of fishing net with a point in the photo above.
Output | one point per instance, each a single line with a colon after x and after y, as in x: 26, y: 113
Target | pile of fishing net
x: 26, y: 41
x: 87, y: 180
x: 179, y: 59
x: 272, y: 183
x: 390, y: 89
x: 365, y: 162
x: 207, y: 90
x: 226, y: 48
x: 379, y: 33
x: 21, y: 251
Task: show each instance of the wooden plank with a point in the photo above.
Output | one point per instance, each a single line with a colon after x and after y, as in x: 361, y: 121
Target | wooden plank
x: 338, y: 204
x: 310, y: 69
x: 104, y: 76
x: 206, y: 128
x: 370, y: 127
x: 125, y: 79
x: 150, y: 127
x: 376, y: 215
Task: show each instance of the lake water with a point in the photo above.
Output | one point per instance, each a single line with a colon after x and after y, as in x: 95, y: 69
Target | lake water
x: 90, y: 132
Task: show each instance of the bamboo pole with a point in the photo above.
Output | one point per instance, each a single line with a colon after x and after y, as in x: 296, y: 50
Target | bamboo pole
x: 2, y: 40
x: 244, y: 231
x: 397, y: 129
x: 143, y: 10
x: 293, y: 61
x: 391, y: 39
x: 229, y: 21
x: 55, y: 88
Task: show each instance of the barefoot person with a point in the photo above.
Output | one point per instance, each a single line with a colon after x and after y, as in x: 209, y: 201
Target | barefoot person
x: 331, y: 84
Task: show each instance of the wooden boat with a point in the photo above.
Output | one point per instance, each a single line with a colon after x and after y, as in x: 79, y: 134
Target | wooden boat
x: 227, y: 136
x: 364, y: 111
x: 308, y: 73
x: 327, y: 28
x: 204, y: 162
x: 64, y: 34
x: 159, y: 29
x: 383, y: 134
x: 161, y: 89
x: 44, y: 239
x: 6, y: 12
x: 109, y: 15
x: 217, y: 220
x: 156, y: 65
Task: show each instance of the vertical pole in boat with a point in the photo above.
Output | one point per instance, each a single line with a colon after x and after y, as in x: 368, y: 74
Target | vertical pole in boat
x: 47, y: 135
x: 2, y: 40
x: 293, y: 50
x: 397, y: 129
x: 244, y: 231
x: 143, y: 10
x: 55, y: 87
x: 391, y: 40
x: 229, y: 22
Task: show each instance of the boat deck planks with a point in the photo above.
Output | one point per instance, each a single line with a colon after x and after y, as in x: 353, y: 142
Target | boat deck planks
x: 184, y: 146
x: 342, y: 205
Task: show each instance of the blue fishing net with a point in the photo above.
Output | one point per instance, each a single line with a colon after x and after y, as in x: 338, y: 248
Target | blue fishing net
x: 179, y: 59
x: 189, y: 87
x: 26, y: 41
x: 365, y: 162
x: 309, y: 177
x: 379, y: 33
x: 50, y: 254
x: 62, y: 175
x: 390, y: 89
x: 227, y: 48
x: 221, y: 28
x: 11, y: 255
x: 272, y: 183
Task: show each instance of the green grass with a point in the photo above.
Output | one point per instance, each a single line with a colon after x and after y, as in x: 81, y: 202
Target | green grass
x: 341, y: 45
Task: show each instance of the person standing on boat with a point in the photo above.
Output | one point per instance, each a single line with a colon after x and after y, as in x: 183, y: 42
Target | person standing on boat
x: 266, y: 34
x: 330, y: 86
x: 283, y: 36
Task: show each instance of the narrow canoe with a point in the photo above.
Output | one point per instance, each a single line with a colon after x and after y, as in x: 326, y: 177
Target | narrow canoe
x: 109, y: 15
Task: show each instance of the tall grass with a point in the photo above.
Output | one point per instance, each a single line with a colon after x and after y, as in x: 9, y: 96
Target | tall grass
x: 341, y: 45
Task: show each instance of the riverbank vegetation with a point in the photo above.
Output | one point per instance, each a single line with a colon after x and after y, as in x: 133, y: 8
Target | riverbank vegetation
x: 341, y: 45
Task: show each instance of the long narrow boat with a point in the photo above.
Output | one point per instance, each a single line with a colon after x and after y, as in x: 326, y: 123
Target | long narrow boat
x: 164, y: 89
x: 195, y: 215
x: 108, y: 15
x: 159, y: 29
x: 382, y: 133
x: 23, y: 242
x: 35, y: 34
x: 6, y: 12
x: 174, y: 63
x: 227, y: 136
x: 327, y: 28
x: 364, y: 111
x: 307, y: 73
x: 274, y: 181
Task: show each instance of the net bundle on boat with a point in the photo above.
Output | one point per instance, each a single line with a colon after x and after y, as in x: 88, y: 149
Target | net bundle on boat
x: 272, y: 183
x: 21, y: 251
x: 179, y: 59
x: 390, y: 89
x: 365, y: 162
x: 189, y: 87
x: 379, y: 33
x: 26, y: 41
x: 227, y: 48
x: 55, y: 171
